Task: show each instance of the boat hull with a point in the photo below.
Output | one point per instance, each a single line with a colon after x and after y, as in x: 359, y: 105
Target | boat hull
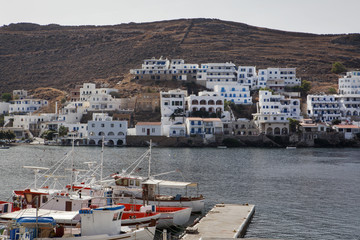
x: 196, y: 205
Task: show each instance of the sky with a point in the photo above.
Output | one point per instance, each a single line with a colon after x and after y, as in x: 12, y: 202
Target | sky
x: 311, y: 16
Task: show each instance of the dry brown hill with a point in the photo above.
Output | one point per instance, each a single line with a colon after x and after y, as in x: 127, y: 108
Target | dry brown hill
x: 56, y: 56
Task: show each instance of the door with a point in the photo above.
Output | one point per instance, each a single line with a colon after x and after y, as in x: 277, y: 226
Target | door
x: 68, y: 206
x: 148, y: 131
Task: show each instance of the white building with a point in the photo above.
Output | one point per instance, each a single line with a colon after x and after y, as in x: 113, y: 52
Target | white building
x: 102, y: 126
x: 27, y: 105
x: 206, y: 127
x: 148, y: 129
x: 4, y: 107
x: 330, y: 107
x: 349, y: 105
x: 278, y: 78
x: 350, y: 83
x: 194, y: 126
x: 247, y: 76
x: 350, y: 131
x: 210, y: 102
x: 217, y: 74
x: 236, y: 93
x: 273, y: 112
x: 20, y: 94
x: 323, y: 107
x: 172, y: 106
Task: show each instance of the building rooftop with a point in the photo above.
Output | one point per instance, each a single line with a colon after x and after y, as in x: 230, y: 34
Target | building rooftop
x: 149, y: 123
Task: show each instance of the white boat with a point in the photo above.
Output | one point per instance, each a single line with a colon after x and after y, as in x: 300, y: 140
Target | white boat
x: 136, y: 190
x: 100, y: 223
x: 4, y: 147
x: 146, y: 190
x: 291, y: 148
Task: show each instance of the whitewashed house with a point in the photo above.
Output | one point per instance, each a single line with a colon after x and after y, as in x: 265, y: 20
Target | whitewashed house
x: 350, y: 131
x: 273, y: 112
x: 236, y: 93
x: 20, y: 94
x: 210, y: 102
x: 194, y: 126
x: 172, y: 104
x: 350, y: 83
x: 323, y: 107
x: 278, y: 78
x: 247, y: 76
x: 103, y: 126
x: 148, y: 129
x: 218, y: 74
x: 27, y: 105
x: 4, y: 107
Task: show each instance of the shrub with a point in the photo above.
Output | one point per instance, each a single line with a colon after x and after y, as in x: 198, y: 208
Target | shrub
x: 338, y: 67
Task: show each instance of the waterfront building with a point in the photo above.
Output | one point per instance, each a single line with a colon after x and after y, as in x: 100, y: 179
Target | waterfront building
x: 172, y: 106
x: 350, y: 83
x: 210, y: 102
x: 350, y: 131
x: 244, y: 127
x: 218, y: 74
x: 323, y: 107
x: 206, y: 127
x: 247, y: 76
x: 278, y: 78
x: 236, y: 93
x: 273, y: 112
x: 148, y: 129
x: 349, y: 105
x: 27, y: 105
x: 102, y: 127
x: 177, y: 130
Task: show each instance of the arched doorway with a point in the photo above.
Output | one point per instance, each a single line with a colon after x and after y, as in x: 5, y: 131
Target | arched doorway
x: 120, y: 143
x: 277, y: 131
x: 269, y: 131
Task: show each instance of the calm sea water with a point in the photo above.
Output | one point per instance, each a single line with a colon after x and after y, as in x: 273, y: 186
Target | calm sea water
x: 299, y: 194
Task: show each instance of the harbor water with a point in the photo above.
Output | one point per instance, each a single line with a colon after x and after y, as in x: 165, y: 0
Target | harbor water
x: 298, y: 193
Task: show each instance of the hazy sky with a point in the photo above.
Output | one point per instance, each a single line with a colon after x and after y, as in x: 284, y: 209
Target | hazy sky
x: 315, y: 16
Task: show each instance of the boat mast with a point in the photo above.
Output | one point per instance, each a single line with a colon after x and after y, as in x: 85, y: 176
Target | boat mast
x: 102, y: 159
x: 72, y: 163
x: 149, y: 173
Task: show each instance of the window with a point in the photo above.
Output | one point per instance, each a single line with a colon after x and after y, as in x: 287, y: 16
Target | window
x: 102, y: 125
x: 143, y: 130
x: 153, y: 130
x: 112, y: 125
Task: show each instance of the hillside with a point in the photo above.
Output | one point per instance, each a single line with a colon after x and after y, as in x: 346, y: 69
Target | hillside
x: 33, y: 56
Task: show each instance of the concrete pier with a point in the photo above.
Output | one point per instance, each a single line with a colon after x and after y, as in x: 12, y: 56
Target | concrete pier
x: 222, y: 221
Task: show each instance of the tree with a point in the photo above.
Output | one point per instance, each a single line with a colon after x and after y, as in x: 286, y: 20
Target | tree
x: 336, y: 122
x: 6, y: 97
x: 294, y: 125
x: 63, y: 131
x: 332, y: 90
x: 8, y: 135
x: 305, y: 87
x: 48, y: 135
x: 338, y: 67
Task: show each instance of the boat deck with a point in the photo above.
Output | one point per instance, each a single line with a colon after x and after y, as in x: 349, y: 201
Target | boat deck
x: 222, y: 221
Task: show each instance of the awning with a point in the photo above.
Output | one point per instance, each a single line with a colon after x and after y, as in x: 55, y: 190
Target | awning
x: 61, y: 217
x: 170, y: 184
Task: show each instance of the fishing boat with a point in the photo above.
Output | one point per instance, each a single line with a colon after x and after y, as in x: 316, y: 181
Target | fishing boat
x: 133, y: 189
x: 100, y: 223
x: 169, y: 216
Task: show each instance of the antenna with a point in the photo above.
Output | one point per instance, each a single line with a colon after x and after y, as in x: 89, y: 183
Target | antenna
x: 36, y: 171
